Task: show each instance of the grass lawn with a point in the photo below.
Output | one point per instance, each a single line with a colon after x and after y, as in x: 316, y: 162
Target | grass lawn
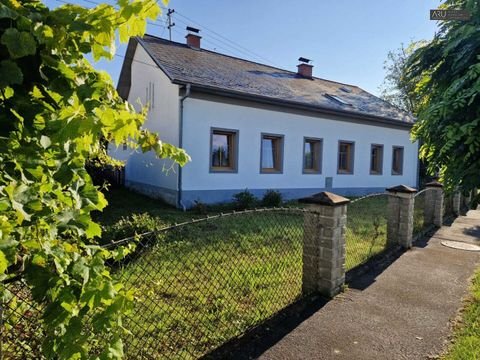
x: 203, y: 283
x: 466, y: 345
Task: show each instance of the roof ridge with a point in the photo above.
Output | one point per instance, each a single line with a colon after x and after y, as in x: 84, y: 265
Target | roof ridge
x: 247, y: 60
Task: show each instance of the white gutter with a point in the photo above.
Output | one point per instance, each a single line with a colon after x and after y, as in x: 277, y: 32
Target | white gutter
x: 180, y: 144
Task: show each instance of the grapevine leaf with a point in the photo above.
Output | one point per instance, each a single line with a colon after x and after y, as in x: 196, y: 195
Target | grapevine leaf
x: 10, y: 74
x: 18, y: 43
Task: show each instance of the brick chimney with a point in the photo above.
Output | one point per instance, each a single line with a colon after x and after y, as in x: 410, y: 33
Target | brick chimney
x: 193, y: 39
x: 304, y: 68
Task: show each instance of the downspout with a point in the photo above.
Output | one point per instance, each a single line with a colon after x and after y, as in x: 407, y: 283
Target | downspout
x: 180, y: 144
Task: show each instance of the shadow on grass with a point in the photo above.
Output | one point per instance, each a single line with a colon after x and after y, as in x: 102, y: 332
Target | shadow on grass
x: 259, y: 339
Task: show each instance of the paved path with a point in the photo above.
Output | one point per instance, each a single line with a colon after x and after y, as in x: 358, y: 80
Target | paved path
x: 405, y: 313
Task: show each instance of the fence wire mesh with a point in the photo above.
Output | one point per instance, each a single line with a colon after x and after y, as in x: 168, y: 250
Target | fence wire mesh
x: 421, y: 223
x: 202, y: 283
x: 197, y: 285
x: 205, y: 282
x: 21, y: 328
x: 366, y: 232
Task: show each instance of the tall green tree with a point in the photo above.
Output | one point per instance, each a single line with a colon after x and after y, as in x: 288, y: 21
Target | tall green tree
x: 54, y: 110
x: 446, y: 74
x: 396, y: 89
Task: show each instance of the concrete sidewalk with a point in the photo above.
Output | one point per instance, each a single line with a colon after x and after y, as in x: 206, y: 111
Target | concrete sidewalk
x: 406, y: 313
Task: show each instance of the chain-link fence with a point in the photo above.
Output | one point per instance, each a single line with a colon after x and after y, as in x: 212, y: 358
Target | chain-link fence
x: 197, y: 285
x: 420, y: 224
x: 366, y: 233
x: 20, y: 324
x: 202, y: 283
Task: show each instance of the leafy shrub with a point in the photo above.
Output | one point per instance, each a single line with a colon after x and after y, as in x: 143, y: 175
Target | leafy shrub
x: 244, y: 200
x: 131, y: 225
x: 200, y: 207
x: 272, y: 198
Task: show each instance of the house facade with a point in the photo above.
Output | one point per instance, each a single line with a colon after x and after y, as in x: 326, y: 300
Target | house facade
x: 248, y: 125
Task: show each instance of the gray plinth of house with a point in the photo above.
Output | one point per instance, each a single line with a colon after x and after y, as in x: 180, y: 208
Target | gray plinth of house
x: 400, y: 215
x: 324, y: 244
x: 456, y: 201
x: 433, y: 213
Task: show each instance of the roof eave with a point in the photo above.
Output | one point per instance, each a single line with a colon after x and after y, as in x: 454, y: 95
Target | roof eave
x: 293, y: 104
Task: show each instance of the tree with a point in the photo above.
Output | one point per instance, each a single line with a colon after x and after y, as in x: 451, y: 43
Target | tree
x: 446, y: 75
x: 395, y: 88
x: 54, y: 110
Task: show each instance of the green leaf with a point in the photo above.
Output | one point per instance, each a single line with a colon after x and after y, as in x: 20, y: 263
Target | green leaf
x: 115, y: 351
x: 6, y: 12
x: 3, y: 262
x: 21, y: 213
x: 10, y: 73
x: 19, y: 44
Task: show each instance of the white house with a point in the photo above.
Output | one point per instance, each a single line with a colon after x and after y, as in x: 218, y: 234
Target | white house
x: 249, y: 125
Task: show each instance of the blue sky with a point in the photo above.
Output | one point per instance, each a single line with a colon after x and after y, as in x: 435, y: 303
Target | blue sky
x: 348, y: 40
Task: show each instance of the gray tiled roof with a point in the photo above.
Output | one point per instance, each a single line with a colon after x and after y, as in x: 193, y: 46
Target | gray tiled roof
x: 183, y: 64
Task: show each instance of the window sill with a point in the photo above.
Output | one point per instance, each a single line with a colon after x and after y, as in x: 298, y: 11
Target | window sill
x: 311, y: 172
x: 270, y: 171
x: 375, y: 173
x: 223, y: 170
x: 339, y: 172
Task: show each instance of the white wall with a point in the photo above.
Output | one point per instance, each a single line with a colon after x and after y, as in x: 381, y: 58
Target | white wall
x: 201, y: 115
x: 163, y: 118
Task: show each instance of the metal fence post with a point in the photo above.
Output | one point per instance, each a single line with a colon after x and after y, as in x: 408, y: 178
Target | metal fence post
x: 434, y: 204
x: 457, y: 197
x: 400, y: 215
x: 467, y: 199
x: 324, y: 244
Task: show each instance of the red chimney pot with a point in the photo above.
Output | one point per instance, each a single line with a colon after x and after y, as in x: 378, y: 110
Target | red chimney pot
x: 305, y: 70
x: 193, y: 40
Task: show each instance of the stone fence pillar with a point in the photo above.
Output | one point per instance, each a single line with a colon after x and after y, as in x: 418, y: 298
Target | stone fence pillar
x: 400, y: 215
x: 324, y: 244
x: 434, y: 204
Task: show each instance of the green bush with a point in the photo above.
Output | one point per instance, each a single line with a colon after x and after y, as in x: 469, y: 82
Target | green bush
x: 200, y: 207
x: 272, y: 198
x: 131, y: 225
x: 244, y: 200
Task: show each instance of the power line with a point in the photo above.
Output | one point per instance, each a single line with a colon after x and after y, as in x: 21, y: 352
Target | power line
x: 211, y: 39
x: 215, y: 40
x: 225, y: 38
x: 215, y: 45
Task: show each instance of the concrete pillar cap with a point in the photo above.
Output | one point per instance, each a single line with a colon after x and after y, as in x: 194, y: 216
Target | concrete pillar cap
x: 434, y: 184
x: 325, y: 198
x: 402, y: 189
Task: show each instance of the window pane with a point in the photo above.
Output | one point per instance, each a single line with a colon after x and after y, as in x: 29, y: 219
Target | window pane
x: 309, y: 161
x: 221, y: 145
x: 268, y: 153
x: 343, y: 157
x: 376, y: 159
x: 397, y: 160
